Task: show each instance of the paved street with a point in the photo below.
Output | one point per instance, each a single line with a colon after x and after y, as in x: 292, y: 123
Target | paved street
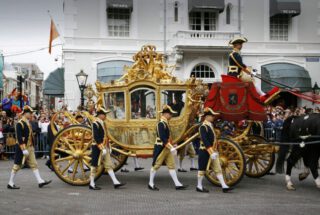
x: 252, y: 196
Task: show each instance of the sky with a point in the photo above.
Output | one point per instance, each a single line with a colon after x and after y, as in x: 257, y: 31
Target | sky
x: 25, y: 26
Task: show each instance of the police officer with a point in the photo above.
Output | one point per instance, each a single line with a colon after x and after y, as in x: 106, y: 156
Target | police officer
x: 164, y: 150
x: 208, y: 150
x: 236, y: 65
x: 101, y: 145
x: 24, y: 150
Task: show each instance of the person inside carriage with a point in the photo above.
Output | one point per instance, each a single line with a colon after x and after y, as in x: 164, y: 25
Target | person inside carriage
x: 239, y: 70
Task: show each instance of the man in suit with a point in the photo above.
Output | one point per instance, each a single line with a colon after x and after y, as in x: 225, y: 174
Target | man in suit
x: 208, y: 150
x: 25, y: 149
x: 101, y: 146
x: 164, y: 150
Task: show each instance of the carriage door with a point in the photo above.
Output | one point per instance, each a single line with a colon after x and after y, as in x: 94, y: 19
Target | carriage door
x: 176, y: 99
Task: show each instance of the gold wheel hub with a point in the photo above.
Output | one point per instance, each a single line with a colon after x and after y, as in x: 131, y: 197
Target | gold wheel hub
x: 77, y: 154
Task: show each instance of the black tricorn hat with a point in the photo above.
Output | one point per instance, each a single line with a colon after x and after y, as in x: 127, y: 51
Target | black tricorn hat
x: 102, y: 110
x: 208, y: 111
x: 237, y: 40
x: 27, y: 109
x: 167, y: 109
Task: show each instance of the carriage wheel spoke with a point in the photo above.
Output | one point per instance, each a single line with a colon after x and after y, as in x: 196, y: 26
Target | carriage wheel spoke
x: 64, y: 159
x: 82, y: 169
x: 263, y: 166
x: 75, y: 169
x: 67, y: 167
x: 250, y: 165
x: 86, y: 162
x: 64, y: 151
x: 66, y: 143
x: 256, y: 167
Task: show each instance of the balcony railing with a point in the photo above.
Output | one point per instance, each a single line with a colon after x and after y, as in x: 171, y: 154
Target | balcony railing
x: 218, y: 35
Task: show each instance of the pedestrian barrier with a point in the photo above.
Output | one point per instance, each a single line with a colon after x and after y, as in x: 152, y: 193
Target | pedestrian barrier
x: 40, y: 143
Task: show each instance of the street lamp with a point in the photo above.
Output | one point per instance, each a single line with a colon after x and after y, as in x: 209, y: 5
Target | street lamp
x: 315, y: 90
x: 82, y: 81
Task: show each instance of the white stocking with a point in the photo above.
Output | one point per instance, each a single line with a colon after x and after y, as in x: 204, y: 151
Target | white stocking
x: 221, y: 180
x: 37, y: 175
x: 12, y: 176
x: 174, y: 177
x: 113, y: 177
x: 200, y: 179
x: 152, y: 175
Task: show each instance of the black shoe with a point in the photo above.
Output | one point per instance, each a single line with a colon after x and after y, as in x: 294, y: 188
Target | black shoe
x: 124, y: 170
x: 44, y: 183
x: 193, y: 169
x: 204, y: 190
x: 183, y: 187
x: 226, y: 190
x: 94, y: 188
x: 116, y: 186
x: 182, y: 170
x: 13, y: 187
x: 49, y: 166
x: 154, y: 188
x: 138, y: 168
x: 271, y: 173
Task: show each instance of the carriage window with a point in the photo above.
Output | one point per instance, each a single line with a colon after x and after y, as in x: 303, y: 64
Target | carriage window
x: 143, y: 104
x: 175, y: 98
x: 114, y: 101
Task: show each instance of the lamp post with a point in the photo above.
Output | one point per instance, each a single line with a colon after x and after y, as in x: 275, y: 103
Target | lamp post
x: 315, y: 90
x: 82, y: 81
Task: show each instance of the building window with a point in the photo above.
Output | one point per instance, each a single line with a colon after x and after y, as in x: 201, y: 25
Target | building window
x: 118, y: 22
x: 111, y: 70
x: 279, y: 27
x: 202, y: 71
x: 176, y: 11
x: 228, y: 14
x: 203, y: 20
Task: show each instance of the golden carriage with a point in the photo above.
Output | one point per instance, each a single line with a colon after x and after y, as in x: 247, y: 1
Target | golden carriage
x: 134, y: 101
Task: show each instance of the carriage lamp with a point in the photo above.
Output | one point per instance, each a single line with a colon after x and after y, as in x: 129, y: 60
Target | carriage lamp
x: 82, y: 81
x: 316, y: 89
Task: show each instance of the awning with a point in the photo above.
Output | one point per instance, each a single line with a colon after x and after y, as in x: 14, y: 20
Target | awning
x: 126, y: 4
x: 206, y: 4
x: 287, y: 74
x: 54, y: 84
x: 291, y: 7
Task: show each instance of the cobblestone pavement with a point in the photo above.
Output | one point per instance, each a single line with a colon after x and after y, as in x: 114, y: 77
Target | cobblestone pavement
x: 266, y: 195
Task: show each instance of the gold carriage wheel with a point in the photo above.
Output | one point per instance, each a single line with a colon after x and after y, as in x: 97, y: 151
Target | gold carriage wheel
x: 70, y: 155
x: 259, y: 159
x: 232, y: 163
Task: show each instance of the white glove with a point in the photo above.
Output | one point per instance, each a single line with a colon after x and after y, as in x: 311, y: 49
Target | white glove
x: 214, y: 155
x: 25, y: 152
x: 104, y: 152
x: 173, y: 151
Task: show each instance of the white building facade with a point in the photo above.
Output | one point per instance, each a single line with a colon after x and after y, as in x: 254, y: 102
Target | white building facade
x: 101, y: 37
